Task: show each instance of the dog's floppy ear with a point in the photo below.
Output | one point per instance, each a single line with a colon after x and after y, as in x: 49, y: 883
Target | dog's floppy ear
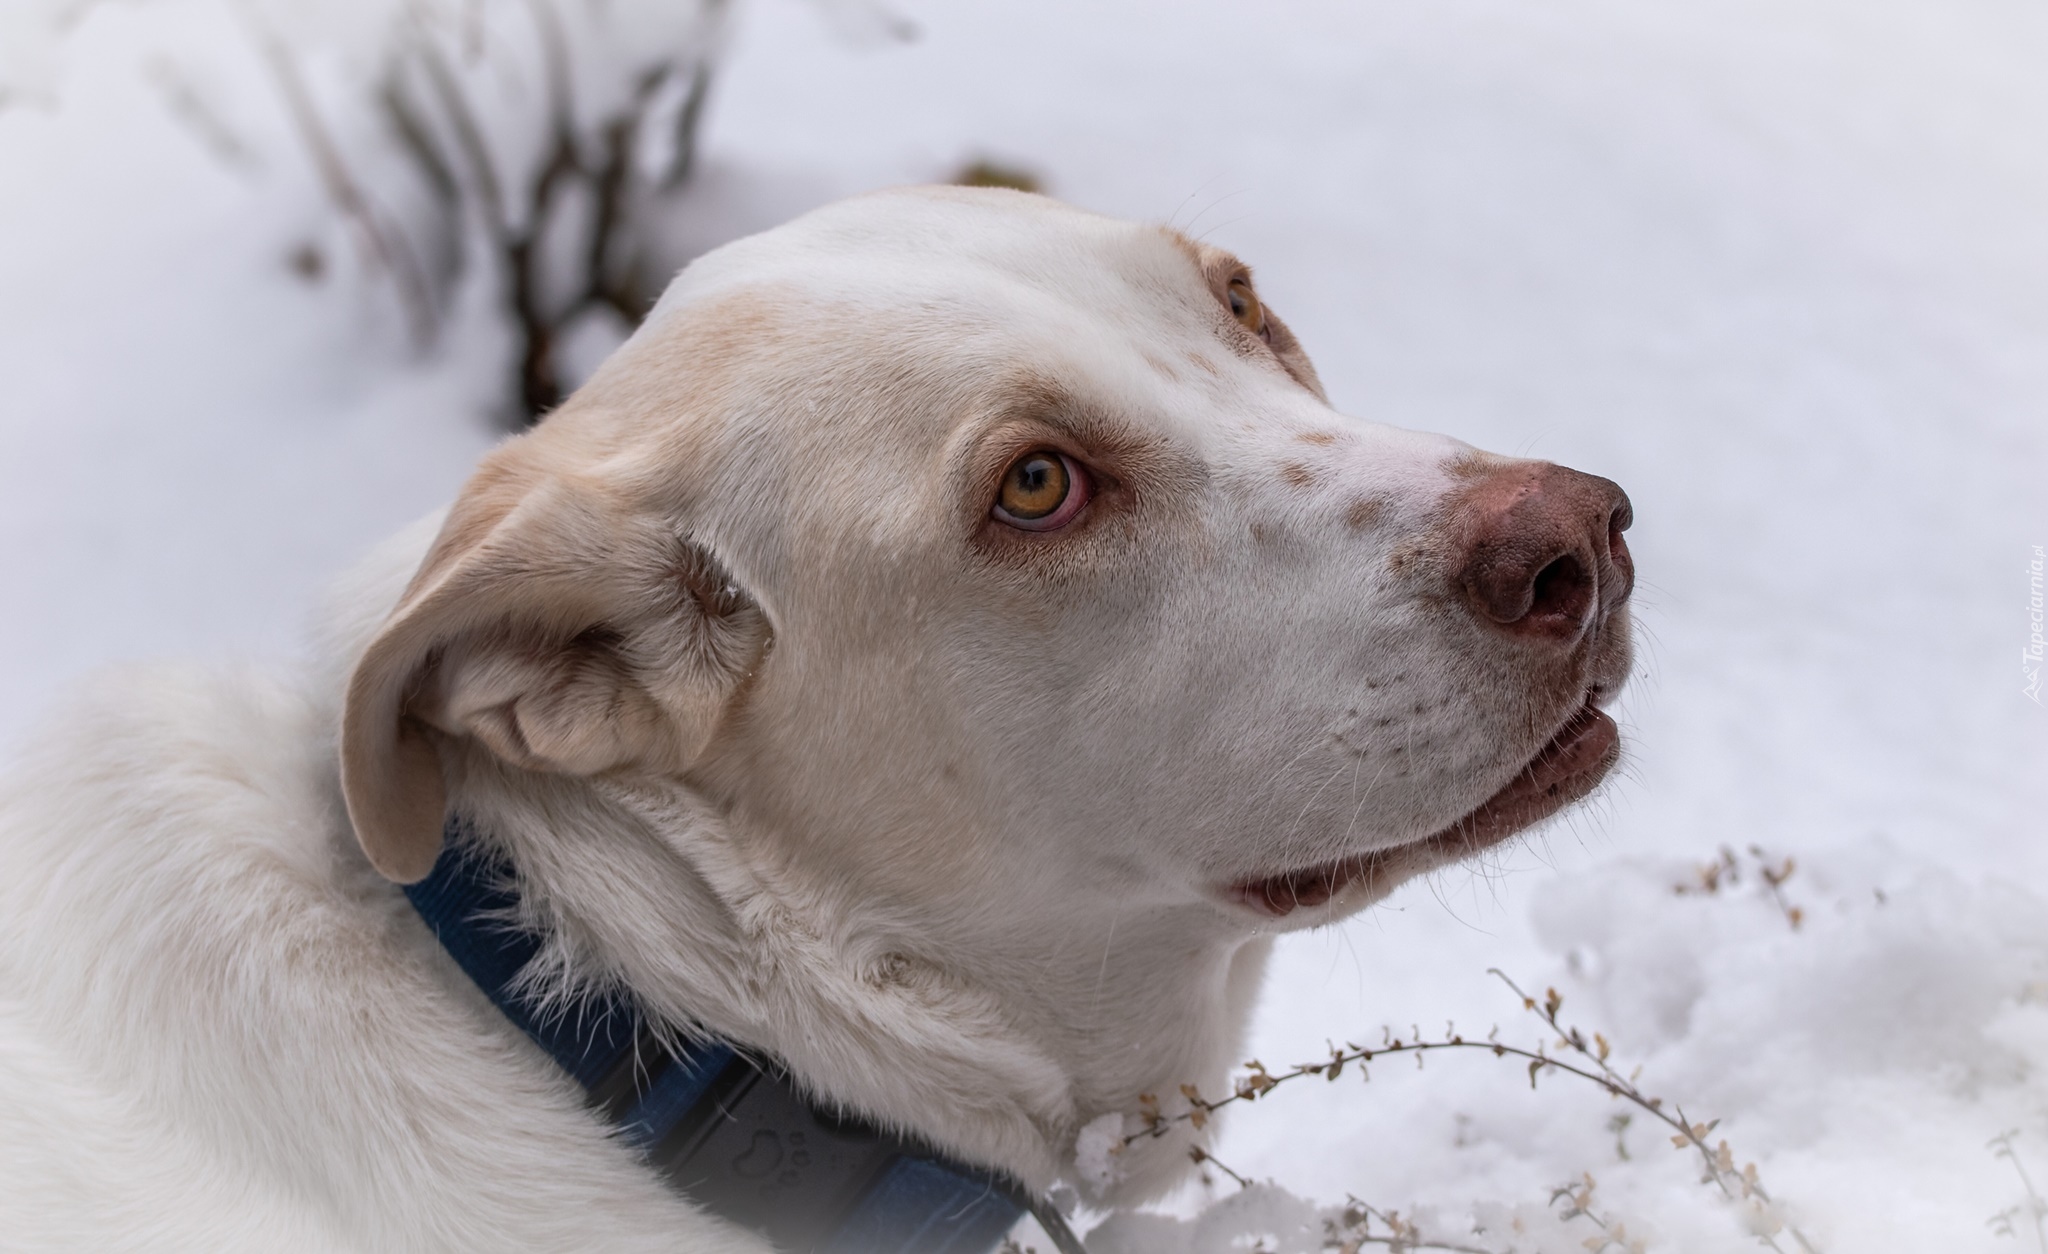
x: 555, y: 626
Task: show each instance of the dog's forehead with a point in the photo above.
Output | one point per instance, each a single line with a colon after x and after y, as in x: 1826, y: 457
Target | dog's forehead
x: 954, y: 250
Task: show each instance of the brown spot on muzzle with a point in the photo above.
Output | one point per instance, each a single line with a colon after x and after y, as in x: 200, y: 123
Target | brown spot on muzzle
x: 1365, y: 512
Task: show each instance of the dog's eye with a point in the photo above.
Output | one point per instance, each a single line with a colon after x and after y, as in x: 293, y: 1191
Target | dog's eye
x: 1042, y: 490
x: 1244, y: 306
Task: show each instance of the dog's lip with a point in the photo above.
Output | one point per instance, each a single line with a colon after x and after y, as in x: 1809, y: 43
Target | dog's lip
x: 1565, y: 769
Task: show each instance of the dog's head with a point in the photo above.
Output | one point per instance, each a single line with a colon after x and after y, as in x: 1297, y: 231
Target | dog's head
x: 977, y: 546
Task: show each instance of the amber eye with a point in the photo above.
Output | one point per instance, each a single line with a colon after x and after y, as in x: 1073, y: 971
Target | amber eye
x: 1042, y: 490
x: 1244, y: 306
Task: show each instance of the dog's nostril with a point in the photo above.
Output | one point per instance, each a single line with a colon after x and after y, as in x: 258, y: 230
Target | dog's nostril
x: 1563, y: 591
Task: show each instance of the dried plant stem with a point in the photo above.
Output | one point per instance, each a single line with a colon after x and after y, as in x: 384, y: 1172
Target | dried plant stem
x: 469, y: 138
x: 1717, y: 1159
x: 1578, y: 1204
x: 1355, y: 1232
x: 1774, y: 882
x: 1709, y: 878
x: 559, y: 223
x: 1400, y: 1235
x: 1056, y: 1230
x: 687, y: 119
x: 518, y: 245
x: 1200, y: 1155
x: 2035, y: 1206
x: 386, y: 250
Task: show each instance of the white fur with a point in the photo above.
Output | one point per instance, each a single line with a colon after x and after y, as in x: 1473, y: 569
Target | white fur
x: 939, y: 822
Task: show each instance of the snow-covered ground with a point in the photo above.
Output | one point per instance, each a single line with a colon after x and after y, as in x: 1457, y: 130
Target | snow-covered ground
x: 1780, y: 267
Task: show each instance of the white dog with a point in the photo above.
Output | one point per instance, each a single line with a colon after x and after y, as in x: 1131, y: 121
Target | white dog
x: 934, y: 656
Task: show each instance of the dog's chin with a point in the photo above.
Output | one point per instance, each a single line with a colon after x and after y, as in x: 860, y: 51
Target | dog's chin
x: 1569, y: 766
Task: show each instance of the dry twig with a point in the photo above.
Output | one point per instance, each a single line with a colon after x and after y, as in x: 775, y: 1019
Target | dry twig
x: 1710, y: 877
x: 570, y: 205
x: 1716, y: 1158
x: 1353, y: 1230
x: 384, y: 248
x: 2006, y: 1222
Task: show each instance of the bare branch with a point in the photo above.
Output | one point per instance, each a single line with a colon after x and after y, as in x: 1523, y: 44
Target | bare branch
x: 2035, y: 1206
x: 1354, y: 1231
x: 688, y: 119
x: 387, y: 251
x: 469, y: 137
x: 554, y: 51
x: 416, y: 136
x: 1717, y: 1159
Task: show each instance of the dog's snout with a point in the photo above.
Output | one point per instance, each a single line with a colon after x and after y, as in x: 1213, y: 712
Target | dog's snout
x: 1544, y: 552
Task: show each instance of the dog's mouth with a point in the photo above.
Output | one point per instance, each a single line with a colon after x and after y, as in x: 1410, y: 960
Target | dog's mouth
x: 1561, y: 772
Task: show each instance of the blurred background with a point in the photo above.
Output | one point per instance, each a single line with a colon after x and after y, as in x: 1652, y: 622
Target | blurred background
x: 273, y: 274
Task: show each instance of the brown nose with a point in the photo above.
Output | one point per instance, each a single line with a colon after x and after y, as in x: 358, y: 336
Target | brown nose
x: 1544, y: 550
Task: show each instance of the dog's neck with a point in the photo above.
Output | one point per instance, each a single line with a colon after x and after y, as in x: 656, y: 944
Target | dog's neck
x: 1004, y: 1049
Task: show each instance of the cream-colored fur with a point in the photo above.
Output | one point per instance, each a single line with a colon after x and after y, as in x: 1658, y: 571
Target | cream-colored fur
x: 786, y: 736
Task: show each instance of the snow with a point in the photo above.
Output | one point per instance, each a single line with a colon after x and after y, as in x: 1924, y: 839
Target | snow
x: 1778, y: 268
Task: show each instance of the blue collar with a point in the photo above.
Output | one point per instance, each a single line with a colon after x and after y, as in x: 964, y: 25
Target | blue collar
x: 731, y: 1133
